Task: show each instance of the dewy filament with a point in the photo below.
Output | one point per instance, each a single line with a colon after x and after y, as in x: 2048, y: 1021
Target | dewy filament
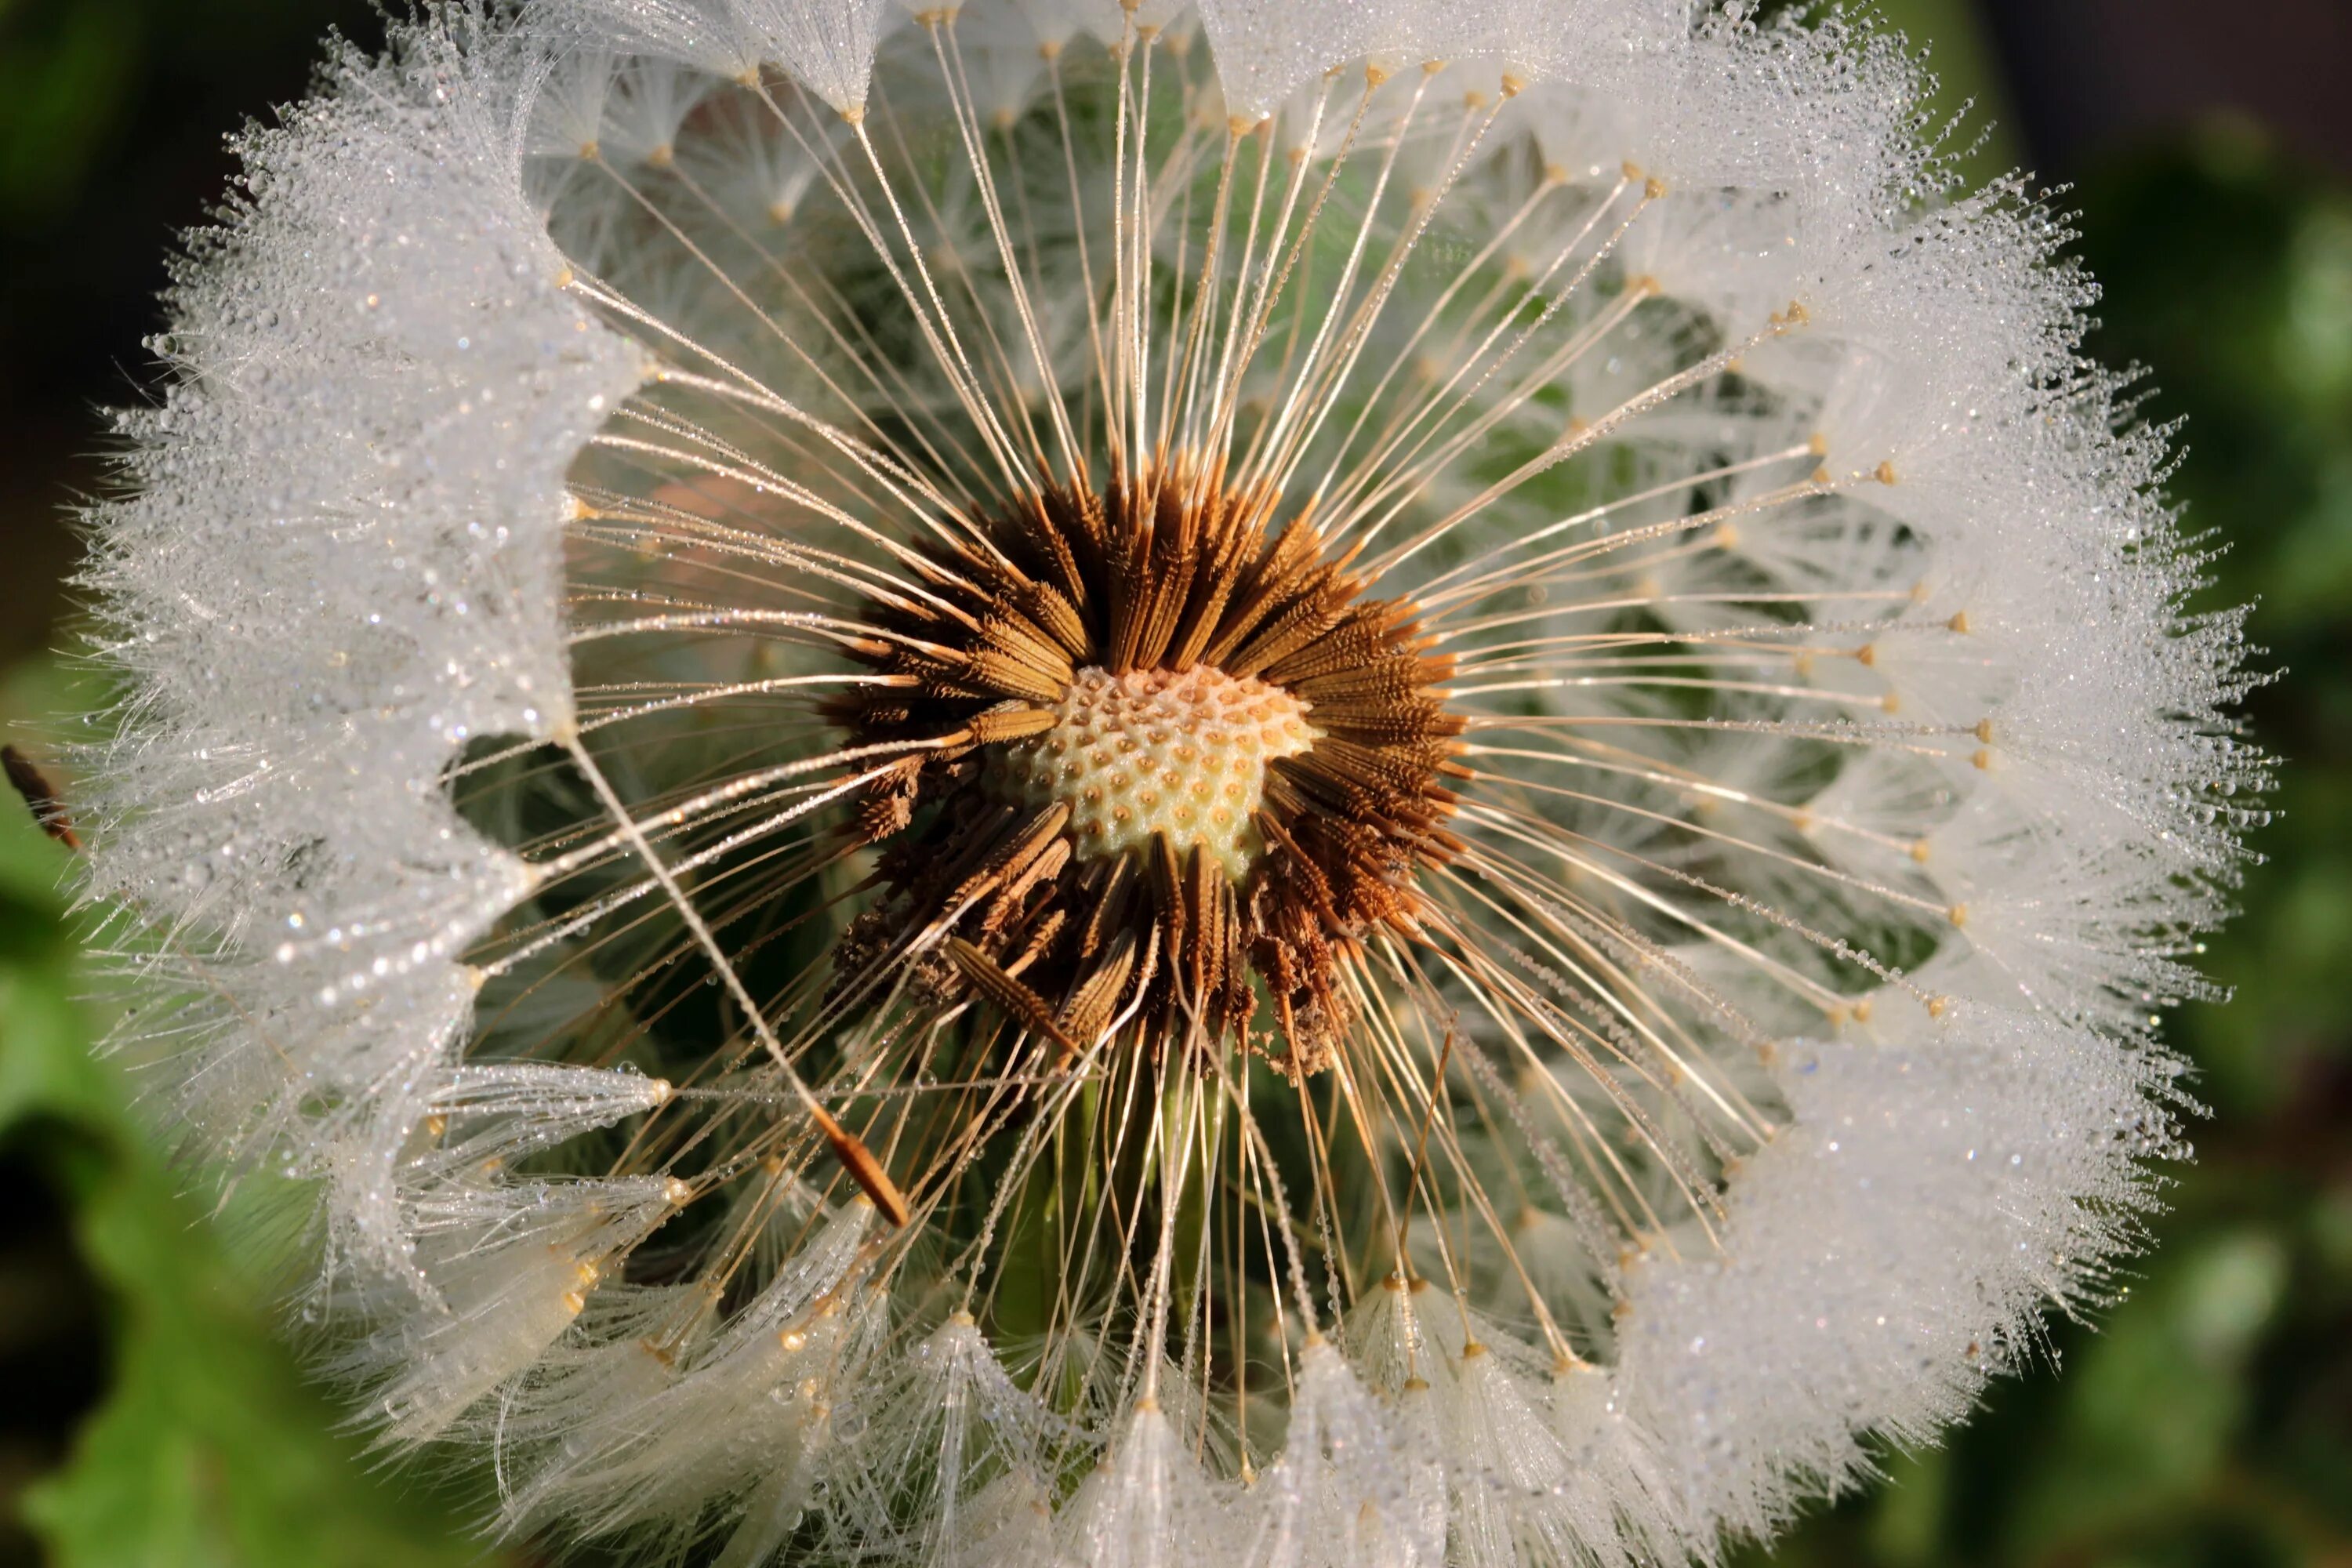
x: 1297, y: 784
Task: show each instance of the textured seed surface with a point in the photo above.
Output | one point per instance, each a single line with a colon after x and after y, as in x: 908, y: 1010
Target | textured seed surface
x: 1158, y: 752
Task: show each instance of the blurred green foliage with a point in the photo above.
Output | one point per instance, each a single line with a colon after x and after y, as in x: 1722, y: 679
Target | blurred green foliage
x: 2203, y: 1422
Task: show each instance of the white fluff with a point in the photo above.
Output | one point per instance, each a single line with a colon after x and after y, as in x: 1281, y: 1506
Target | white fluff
x: 1997, y: 1149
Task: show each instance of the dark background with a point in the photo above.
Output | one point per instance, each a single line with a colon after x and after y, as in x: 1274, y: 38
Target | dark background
x: 149, y: 1420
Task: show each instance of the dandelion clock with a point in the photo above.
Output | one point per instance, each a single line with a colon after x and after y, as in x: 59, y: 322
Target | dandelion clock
x: 1280, y: 784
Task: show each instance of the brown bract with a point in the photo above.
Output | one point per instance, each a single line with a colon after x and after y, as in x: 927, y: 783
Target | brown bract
x: 1066, y: 934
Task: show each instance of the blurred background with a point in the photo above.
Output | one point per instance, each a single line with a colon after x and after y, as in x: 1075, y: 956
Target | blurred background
x: 149, y: 1420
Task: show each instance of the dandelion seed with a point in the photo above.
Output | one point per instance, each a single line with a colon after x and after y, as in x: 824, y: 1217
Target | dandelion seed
x: 1308, y: 784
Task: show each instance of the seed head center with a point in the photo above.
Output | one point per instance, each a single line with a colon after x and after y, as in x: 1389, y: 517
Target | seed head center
x: 1182, y: 753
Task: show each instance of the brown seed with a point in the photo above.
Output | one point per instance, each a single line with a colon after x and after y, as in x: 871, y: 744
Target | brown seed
x: 40, y: 796
x: 863, y: 1167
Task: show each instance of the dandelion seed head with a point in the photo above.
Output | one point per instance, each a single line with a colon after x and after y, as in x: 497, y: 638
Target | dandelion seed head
x: 1044, y: 781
